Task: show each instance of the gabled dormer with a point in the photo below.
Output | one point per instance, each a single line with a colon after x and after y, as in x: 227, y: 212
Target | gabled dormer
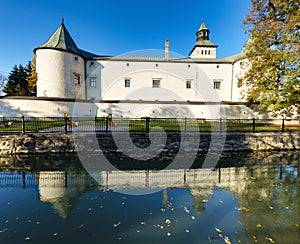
x: 203, y: 48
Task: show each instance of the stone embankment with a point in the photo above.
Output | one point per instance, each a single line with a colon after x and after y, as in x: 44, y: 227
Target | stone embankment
x: 31, y: 144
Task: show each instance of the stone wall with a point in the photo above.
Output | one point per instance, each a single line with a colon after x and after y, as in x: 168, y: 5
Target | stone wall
x: 58, y: 143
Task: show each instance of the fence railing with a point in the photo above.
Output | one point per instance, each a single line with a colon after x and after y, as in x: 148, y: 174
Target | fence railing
x: 146, y: 124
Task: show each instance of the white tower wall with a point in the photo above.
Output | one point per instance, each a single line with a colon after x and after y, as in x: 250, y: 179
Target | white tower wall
x: 56, y: 70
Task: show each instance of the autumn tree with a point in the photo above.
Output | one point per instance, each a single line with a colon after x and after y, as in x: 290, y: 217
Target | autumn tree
x: 32, y: 77
x: 273, y: 50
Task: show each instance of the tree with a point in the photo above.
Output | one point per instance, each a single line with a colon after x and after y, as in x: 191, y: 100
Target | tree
x: 17, y: 84
x: 32, y: 77
x: 273, y: 50
x: 2, y: 82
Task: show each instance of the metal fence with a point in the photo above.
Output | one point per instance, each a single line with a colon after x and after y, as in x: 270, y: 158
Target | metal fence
x: 147, y: 124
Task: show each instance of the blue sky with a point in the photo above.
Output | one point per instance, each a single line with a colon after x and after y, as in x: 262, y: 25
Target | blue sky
x: 114, y: 27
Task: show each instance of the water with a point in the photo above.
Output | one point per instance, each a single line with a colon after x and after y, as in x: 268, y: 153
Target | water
x: 255, y: 198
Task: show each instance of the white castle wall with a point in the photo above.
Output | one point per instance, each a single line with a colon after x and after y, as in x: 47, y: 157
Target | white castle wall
x: 55, y: 71
x: 44, y: 108
x: 48, y: 108
x: 112, y: 74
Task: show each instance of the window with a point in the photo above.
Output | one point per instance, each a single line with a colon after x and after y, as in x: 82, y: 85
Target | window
x: 76, y: 58
x: 217, y: 84
x: 188, y: 84
x: 156, y: 83
x: 92, y: 82
x: 127, y: 82
x: 76, y: 79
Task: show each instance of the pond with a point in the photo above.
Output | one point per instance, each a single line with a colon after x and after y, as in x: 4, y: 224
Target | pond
x: 247, y: 198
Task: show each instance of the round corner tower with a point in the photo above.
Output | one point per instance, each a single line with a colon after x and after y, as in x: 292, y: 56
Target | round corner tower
x: 60, y: 67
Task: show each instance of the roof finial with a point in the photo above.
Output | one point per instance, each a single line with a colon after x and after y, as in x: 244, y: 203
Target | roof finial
x: 62, y: 20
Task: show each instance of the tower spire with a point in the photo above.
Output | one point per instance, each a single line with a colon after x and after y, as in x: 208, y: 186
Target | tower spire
x: 62, y: 20
x: 203, y: 48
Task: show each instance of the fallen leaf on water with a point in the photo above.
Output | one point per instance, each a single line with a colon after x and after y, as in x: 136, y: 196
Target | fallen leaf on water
x: 244, y: 209
x: 227, y: 240
x: 186, y: 210
x: 218, y: 230
x: 168, y: 234
x: 117, y: 224
x: 297, y: 225
x: 168, y: 222
x: 27, y: 238
x: 3, y: 230
x: 143, y: 223
x: 254, y: 237
x: 270, y: 207
x: 80, y: 226
x: 270, y: 239
x: 258, y: 225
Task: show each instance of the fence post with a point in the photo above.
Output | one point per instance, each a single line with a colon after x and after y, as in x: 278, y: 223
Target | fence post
x: 66, y: 124
x: 147, y: 124
x: 220, y: 124
x: 23, y: 124
x: 253, y: 125
x: 282, y: 126
x: 185, y: 119
x: 106, y: 124
x: 24, y: 179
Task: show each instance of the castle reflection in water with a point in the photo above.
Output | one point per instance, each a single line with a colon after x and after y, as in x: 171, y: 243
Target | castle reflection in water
x: 61, y: 188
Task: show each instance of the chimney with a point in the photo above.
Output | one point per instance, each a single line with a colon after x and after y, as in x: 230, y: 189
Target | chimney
x: 167, y: 49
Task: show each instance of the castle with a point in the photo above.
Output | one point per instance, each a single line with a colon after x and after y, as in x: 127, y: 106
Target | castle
x: 81, y: 83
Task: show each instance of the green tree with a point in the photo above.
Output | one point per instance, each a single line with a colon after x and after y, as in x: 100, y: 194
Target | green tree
x: 273, y: 51
x: 17, y: 84
x: 2, y: 82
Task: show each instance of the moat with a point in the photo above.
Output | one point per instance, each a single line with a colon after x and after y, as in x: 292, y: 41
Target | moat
x: 246, y: 198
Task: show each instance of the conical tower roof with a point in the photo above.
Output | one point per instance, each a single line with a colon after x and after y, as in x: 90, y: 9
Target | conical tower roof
x: 202, y: 26
x: 61, y: 40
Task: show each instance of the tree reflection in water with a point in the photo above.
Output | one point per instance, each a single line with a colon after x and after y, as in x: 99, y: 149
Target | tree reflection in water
x: 263, y: 190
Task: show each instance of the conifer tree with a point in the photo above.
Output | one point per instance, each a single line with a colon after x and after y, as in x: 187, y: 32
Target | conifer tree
x: 273, y: 51
x: 17, y: 84
x: 2, y: 82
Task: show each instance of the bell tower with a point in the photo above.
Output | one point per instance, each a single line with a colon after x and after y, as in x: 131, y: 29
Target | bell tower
x: 203, y: 48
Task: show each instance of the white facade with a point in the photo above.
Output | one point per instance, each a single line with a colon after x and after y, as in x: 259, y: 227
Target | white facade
x: 140, y: 86
x: 60, y: 84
